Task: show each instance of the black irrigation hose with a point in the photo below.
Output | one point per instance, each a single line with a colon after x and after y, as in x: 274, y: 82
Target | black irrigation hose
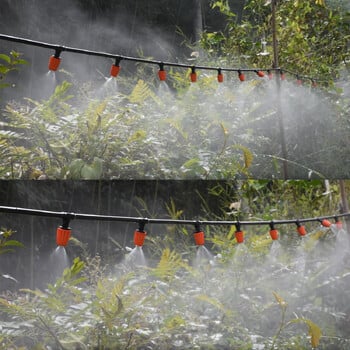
x: 59, y: 48
x: 80, y: 216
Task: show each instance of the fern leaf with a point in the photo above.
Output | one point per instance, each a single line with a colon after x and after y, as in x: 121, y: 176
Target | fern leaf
x: 212, y: 301
x: 170, y: 262
x: 247, y: 155
x: 141, y: 93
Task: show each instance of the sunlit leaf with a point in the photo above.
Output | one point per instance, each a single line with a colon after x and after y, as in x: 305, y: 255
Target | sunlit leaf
x: 280, y: 300
x: 314, y: 331
x: 5, y: 58
x: 170, y: 262
x: 212, y: 301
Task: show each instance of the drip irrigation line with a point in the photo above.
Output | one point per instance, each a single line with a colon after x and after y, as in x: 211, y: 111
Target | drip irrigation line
x: 303, y: 77
x: 197, y: 223
x: 60, y: 48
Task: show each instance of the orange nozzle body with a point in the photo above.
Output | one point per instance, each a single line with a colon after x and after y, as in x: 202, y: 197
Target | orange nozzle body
x: 274, y: 234
x: 193, y: 77
x: 261, y: 74
x: 220, y: 77
x: 114, y: 70
x: 241, y: 76
x: 339, y: 225
x: 139, y: 237
x: 162, y: 75
x: 301, y: 230
x: 326, y: 223
x: 239, y: 236
x: 199, y: 238
x: 62, y: 236
x: 54, y: 63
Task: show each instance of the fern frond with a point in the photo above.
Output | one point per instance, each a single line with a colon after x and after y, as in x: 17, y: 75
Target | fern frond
x: 170, y: 262
x: 142, y: 92
x: 247, y: 155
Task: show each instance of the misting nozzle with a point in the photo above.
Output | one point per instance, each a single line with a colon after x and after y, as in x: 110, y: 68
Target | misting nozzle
x: 241, y: 76
x: 161, y: 72
x: 220, y: 76
x: 115, y: 68
x: 193, y: 75
x: 338, y: 223
x: 301, y: 229
x: 325, y: 223
x: 299, y: 81
x: 54, y: 61
x: 273, y: 232
x: 198, y: 235
x: 63, y: 233
x: 140, y: 234
x: 282, y: 75
x: 239, y: 234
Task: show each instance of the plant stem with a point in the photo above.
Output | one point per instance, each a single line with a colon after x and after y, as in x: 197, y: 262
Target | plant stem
x: 129, y: 341
x: 279, y: 331
x: 51, y: 332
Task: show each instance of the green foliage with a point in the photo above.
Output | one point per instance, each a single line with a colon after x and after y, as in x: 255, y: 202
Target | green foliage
x: 184, y: 300
x: 112, y: 138
x: 311, y: 34
x: 162, y: 306
x: 170, y: 262
x: 6, y: 244
x: 312, y: 40
x: 197, y: 131
x: 201, y: 131
x: 314, y: 330
x: 9, y: 63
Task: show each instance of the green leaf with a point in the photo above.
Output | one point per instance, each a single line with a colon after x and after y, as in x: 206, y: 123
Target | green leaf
x: 280, y: 300
x: 314, y: 330
x: 93, y: 171
x: 247, y: 155
x: 3, y: 251
x: 213, y: 302
x: 5, y: 58
x: 142, y: 92
x: 75, y: 168
x: 194, y: 162
x: 13, y: 243
x: 4, y: 70
x: 170, y: 262
x: 20, y: 61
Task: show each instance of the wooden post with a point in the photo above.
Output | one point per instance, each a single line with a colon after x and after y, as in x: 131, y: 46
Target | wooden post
x: 278, y: 82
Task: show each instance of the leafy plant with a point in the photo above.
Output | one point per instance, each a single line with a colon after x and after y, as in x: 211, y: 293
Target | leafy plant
x: 6, y: 244
x: 9, y: 63
x: 314, y: 330
x: 226, y: 301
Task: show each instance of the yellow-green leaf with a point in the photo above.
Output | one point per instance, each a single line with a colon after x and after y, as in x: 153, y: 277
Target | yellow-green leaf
x: 280, y: 300
x: 247, y: 155
x: 212, y: 301
x: 314, y: 330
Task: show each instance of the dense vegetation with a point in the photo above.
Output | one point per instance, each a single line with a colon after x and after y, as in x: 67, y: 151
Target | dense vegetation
x: 261, y: 294
x: 142, y: 130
